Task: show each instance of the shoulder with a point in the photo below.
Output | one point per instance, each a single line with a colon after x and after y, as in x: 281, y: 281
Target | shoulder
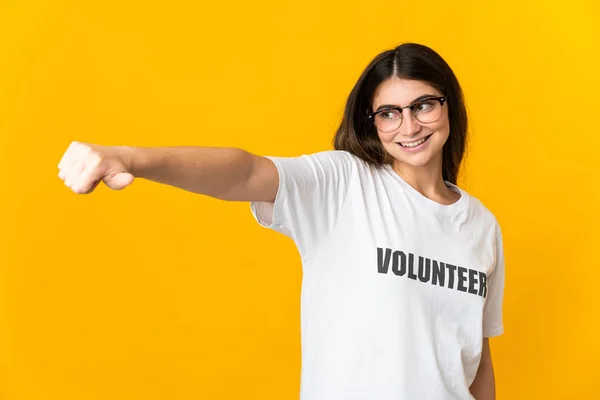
x: 329, y: 161
x: 342, y: 157
x: 338, y: 156
x: 482, y: 213
x: 325, y: 166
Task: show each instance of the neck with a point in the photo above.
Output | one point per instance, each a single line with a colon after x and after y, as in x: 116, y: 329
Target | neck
x: 427, y: 180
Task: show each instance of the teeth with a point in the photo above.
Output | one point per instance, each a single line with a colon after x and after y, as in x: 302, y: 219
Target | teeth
x: 414, y: 144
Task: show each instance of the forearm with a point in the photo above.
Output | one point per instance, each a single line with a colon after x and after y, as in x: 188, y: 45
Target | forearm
x: 212, y: 171
x: 484, y: 385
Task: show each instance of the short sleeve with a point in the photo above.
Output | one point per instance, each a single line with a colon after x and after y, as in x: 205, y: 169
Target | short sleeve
x: 492, y: 313
x: 312, y: 190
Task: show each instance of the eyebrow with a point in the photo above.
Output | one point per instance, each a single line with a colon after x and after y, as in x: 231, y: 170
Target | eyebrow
x: 425, y: 96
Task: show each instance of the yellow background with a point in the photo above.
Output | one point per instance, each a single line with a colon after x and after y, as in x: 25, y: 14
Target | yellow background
x: 155, y: 293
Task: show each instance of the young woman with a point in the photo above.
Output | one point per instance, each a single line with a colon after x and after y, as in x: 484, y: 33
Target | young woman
x: 403, y: 271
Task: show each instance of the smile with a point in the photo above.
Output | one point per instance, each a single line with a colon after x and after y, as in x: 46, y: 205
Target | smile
x: 411, y: 145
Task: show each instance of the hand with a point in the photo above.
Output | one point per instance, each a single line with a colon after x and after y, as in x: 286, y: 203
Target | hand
x: 83, y: 166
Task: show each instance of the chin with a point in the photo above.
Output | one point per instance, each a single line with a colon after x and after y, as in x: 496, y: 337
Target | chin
x: 414, y: 160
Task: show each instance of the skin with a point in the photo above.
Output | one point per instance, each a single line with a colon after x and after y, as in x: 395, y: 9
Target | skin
x: 423, y: 169
x: 484, y: 384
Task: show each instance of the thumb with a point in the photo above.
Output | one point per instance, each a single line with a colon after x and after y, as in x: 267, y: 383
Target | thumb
x: 119, y: 180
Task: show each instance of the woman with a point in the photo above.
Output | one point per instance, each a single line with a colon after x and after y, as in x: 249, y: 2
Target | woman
x: 403, y: 271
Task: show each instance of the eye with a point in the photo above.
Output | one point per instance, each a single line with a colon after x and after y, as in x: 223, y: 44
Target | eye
x: 424, y: 106
x: 389, y: 114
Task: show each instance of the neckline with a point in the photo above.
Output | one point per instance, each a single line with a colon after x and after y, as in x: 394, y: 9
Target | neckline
x: 457, y: 205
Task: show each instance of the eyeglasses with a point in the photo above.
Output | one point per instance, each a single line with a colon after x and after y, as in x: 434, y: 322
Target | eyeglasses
x: 426, y: 111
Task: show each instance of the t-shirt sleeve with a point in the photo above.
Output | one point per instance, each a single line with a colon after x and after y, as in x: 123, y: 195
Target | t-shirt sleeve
x: 492, y: 312
x: 312, y: 190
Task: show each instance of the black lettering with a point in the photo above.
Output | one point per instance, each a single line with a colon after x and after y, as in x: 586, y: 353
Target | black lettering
x: 482, y: 284
x: 439, y: 273
x: 411, y: 271
x: 451, y: 269
x: 383, y: 263
x: 402, y: 262
x: 472, y: 281
x: 424, y: 272
x: 462, y: 277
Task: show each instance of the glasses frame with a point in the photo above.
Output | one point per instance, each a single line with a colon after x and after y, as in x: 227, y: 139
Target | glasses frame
x: 441, y: 100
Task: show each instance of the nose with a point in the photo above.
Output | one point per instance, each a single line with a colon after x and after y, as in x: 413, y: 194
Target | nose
x: 410, y: 126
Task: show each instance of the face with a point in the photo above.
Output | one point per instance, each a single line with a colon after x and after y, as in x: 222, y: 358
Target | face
x: 400, y: 143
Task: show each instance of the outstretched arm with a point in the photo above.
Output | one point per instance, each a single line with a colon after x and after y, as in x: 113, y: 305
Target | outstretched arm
x: 224, y: 173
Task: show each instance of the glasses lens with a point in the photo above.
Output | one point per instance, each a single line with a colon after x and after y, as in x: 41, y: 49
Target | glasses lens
x: 388, y: 120
x: 427, y: 111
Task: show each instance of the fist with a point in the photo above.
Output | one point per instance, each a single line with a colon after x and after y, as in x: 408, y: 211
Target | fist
x: 83, y: 166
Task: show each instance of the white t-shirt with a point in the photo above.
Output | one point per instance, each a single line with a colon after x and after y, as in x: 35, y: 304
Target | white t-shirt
x: 398, y: 291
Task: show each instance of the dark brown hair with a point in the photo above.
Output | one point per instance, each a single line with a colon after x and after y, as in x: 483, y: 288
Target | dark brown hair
x: 357, y: 135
